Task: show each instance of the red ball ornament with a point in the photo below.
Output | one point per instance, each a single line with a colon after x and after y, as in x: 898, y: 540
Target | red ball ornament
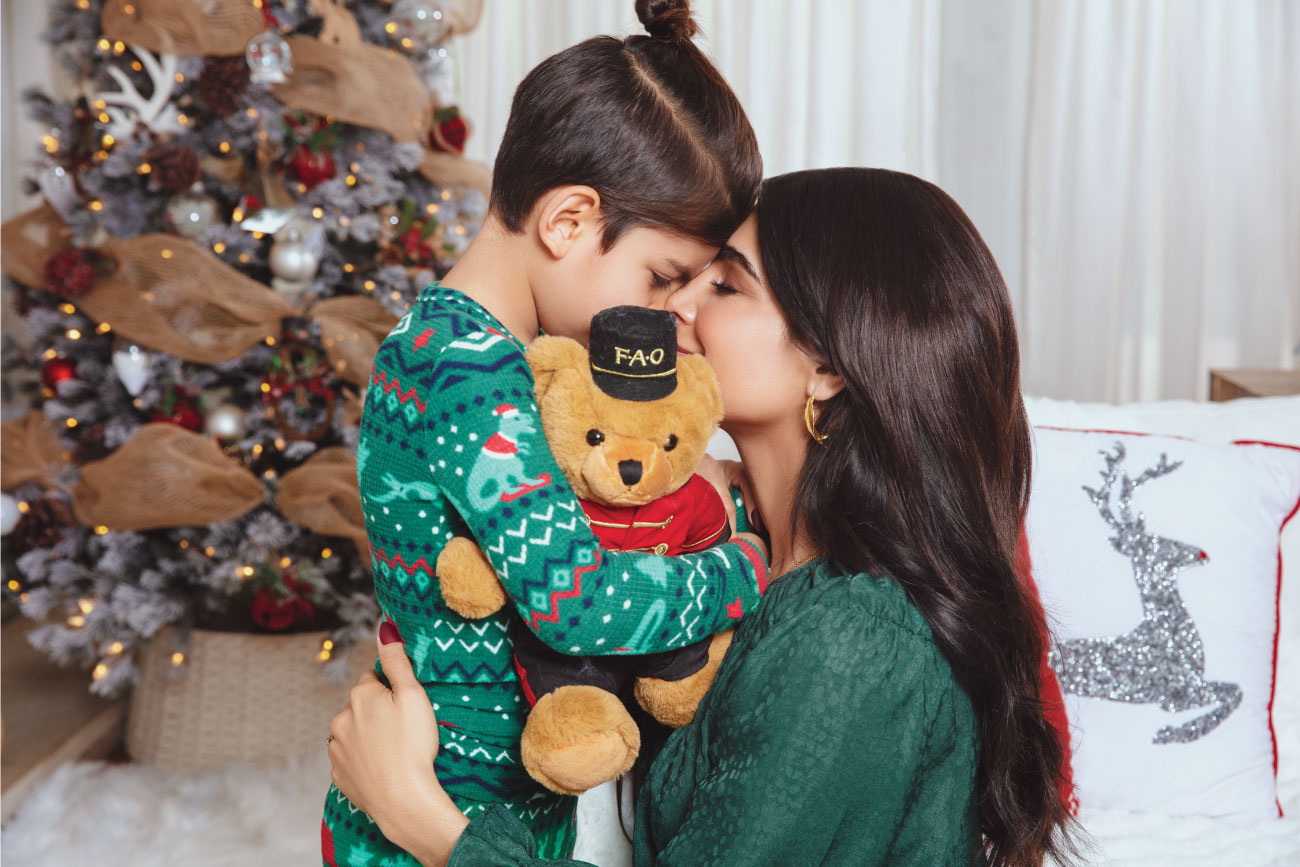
x: 450, y: 131
x: 184, y: 414
x: 179, y: 408
x: 69, y: 273
x: 271, y: 612
x: 309, y: 167
x: 56, y: 370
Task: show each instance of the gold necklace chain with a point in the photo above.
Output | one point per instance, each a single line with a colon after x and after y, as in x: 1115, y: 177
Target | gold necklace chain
x: 805, y: 561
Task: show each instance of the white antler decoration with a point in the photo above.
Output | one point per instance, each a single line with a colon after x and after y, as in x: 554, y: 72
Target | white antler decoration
x: 157, y: 112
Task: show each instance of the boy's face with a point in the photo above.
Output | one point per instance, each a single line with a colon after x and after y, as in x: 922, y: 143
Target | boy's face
x: 642, y: 268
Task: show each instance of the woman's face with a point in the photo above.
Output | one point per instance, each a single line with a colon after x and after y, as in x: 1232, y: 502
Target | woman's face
x: 728, y: 315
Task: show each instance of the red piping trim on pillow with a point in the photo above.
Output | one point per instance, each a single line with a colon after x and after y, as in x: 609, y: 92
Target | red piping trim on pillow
x: 1277, y: 600
x: 1125, y: 433
x: 1277, y: 605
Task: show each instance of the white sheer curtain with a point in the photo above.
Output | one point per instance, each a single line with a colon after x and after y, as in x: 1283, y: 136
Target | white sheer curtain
x: 1162, y: 195
x: 1133, y: 164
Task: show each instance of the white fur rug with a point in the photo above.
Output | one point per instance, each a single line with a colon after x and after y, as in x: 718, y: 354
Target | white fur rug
x: 93, y: 813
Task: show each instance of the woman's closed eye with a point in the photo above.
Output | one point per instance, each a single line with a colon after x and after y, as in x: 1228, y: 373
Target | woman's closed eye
x: 723, y: 288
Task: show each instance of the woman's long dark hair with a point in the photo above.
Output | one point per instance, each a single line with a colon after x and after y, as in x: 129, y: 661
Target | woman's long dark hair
x: 925, y: 474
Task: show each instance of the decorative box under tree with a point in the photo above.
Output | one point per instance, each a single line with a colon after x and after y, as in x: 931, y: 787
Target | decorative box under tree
x: 246, y: 698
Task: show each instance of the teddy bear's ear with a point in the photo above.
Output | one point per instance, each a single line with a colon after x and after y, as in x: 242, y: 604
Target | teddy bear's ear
x: 549, y: 355
x: 696, y: 375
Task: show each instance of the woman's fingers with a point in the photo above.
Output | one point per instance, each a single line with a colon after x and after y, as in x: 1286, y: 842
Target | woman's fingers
x: 394, y: 661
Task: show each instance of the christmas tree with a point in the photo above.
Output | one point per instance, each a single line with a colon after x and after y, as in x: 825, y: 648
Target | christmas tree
x: 239, y: 203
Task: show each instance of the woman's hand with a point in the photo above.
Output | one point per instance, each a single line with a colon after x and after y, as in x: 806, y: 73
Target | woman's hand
x: 382, y: 747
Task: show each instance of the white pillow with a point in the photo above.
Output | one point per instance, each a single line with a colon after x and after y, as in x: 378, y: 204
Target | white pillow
x: 1272, y: 419
x: 1168, y: 683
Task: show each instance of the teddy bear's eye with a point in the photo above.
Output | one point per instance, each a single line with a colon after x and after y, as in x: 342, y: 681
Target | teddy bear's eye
x: 595, y: 437
x: 672, y: 443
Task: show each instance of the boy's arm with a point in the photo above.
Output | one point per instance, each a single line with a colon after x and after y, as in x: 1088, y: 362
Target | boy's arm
x: 487, y: 455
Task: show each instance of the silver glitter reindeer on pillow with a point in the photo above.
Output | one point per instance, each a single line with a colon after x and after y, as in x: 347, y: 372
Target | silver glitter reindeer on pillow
x: 1161, y: 661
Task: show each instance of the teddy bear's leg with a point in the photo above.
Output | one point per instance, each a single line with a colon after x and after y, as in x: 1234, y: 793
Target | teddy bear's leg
x: 673, y: 702
x: 578, y: 732
x: 578, y: 737
x: 469, y: 583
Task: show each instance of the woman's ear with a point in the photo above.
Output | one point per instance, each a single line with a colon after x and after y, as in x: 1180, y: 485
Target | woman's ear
x: 824, y: 383
x: 566, y: 214
x: 549, y: 355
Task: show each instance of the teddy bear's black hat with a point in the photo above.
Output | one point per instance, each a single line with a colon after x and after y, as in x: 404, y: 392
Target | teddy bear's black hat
x: 634, y: 352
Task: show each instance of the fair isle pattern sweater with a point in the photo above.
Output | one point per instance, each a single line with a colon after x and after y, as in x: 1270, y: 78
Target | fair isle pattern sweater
x: 451, y: 445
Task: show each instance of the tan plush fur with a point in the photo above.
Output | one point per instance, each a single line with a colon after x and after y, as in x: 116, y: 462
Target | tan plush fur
x: 580, y: 736
x: 577, y: 737
x: 673, y: 702
x: 469, y: 583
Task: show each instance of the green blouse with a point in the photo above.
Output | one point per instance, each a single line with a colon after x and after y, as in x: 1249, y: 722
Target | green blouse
x: 834, y: 734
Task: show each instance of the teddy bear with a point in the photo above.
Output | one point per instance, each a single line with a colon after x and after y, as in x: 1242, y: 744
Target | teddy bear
x: 628, y: 423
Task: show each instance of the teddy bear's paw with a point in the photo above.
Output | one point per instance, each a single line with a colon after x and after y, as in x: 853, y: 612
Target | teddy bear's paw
x: 468, y: 582
x: 578, y: 737
x: 673, y: 702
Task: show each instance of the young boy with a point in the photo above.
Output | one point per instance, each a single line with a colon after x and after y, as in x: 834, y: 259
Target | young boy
x: 626, y: 163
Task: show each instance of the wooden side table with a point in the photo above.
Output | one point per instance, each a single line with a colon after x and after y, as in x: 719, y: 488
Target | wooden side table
x: 1232, y: 384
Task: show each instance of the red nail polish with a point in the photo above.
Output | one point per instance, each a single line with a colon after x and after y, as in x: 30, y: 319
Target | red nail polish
x: 388, y: 633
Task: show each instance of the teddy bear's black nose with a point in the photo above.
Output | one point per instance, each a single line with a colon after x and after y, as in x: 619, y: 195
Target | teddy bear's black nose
x: 630, y: 471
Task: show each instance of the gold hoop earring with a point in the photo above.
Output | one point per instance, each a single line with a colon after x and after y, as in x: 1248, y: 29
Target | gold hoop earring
x: 810, y: 422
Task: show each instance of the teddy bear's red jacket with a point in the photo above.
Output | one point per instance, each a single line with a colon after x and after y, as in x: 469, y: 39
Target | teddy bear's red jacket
x: 690, y: 519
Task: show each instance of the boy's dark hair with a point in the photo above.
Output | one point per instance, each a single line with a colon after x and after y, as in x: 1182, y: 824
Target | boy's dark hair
x: 647, y: 121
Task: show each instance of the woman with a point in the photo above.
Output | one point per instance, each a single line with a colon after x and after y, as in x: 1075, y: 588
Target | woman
x: 882, y: 704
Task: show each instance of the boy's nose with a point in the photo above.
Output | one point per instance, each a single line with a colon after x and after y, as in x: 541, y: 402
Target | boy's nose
x: 629, y: 471
x: 681, y: 303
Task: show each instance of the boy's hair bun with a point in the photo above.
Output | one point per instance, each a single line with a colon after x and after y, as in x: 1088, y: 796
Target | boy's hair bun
x: 667, y: 20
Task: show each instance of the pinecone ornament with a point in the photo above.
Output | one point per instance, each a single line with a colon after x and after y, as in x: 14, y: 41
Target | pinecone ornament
x: 174, y: 167
x: 92, y: 446
x: 222, y: 83
x: 46, y: 521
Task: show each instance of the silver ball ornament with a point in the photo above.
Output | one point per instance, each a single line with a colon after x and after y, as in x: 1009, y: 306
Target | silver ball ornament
x: 293, y: 261
x: 226, y: 422
x: 190, y: 213
x: 10, y: 515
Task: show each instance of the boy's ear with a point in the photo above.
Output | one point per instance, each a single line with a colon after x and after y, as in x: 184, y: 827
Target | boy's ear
x: 549, y: 355
x: 566, y: 214
x: 697, y: 377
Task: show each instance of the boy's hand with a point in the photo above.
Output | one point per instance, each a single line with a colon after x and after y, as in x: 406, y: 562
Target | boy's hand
x: 734, y: 473
x: 713, y: 471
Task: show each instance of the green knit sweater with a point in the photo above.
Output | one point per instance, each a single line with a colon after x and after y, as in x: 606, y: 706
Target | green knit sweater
x: 834, y: 734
